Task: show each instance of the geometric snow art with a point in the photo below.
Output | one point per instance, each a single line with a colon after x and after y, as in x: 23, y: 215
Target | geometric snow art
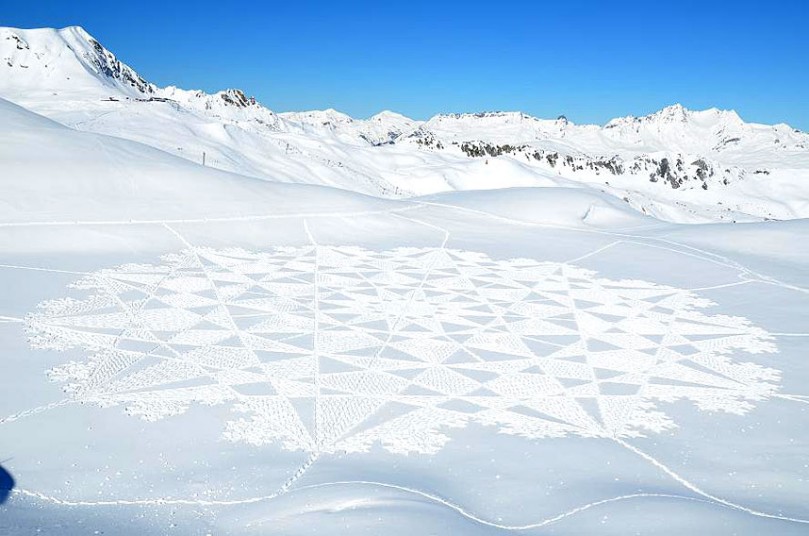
x: 329, y: 349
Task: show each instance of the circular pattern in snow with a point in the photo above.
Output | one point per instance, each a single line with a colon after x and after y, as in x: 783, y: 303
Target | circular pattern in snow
x: 337, y: 348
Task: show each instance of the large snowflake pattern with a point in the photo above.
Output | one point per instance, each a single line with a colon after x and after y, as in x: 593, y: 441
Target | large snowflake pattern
x: 326, y: 349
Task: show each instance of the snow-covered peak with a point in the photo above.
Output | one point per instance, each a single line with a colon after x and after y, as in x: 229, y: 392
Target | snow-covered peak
x: 329, y: 118
x: 386, y: 126
x: 679, y: 114
x: 671, y: 114
x: 78, y: 31
x: 67, y: 61
x: 497, y: 127
x: 715, y: 114
x: 486, y: 118
x: 388, y: 116
x: 228, y: 104
x: 45, y: 67
x: 711, y: 131
x: 381, y: 128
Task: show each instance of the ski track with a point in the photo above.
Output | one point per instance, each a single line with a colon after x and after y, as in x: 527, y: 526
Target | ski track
x: 696, y: 489
x: 39, y: 409
x: 791, y: 334
x: 315, y: 340
x: 433, y: 498
x: 594, y: 252
x: 794, y: 398
x: 637, y: 239
x: 40, y: 269
x: 223, y: 219
x: 413, y: 205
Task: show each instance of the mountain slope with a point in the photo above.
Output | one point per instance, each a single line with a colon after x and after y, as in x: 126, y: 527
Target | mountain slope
x: 54, y: 173
x: 68, y: 62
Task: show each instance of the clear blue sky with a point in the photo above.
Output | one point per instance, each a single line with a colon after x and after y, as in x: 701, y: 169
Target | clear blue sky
x: 589, y: 60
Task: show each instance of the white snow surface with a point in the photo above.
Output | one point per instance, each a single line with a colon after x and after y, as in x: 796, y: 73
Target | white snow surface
x: 213, y: 350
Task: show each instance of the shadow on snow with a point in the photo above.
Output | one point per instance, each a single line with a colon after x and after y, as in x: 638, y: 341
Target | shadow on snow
x: 6, y: 484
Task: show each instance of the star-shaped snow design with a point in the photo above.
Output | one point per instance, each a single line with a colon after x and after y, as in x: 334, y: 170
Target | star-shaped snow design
x: 337, y: 348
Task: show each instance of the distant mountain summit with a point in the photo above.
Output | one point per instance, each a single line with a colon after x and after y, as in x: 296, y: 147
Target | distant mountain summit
x: 67, y: 60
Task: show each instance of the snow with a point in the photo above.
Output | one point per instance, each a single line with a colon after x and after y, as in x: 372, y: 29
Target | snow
x: 243, y: 348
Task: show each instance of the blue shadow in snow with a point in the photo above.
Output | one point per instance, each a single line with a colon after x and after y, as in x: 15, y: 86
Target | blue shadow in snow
x: 6, y: 484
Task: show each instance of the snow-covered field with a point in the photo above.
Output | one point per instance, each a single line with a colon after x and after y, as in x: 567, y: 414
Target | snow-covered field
x: 242, y: 349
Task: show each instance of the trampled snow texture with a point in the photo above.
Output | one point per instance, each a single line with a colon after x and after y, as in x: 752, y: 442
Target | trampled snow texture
x: 327, y: 349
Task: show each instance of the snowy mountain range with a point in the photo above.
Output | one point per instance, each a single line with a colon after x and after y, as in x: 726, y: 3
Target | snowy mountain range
x: 675, y: 164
